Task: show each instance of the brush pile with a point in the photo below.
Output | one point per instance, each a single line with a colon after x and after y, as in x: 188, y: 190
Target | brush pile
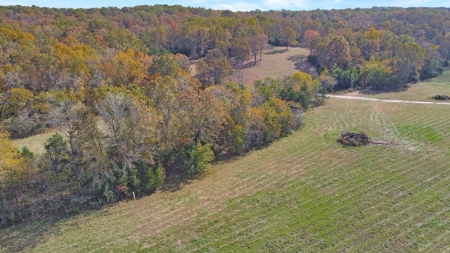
x: 353, y: 139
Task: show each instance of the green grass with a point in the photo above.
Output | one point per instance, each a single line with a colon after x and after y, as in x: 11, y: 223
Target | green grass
x: 304, y: 193
x: 419, y: 133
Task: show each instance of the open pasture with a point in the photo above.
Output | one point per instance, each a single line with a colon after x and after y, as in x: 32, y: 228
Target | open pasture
x: 276, y: 63
x: 303, y: 193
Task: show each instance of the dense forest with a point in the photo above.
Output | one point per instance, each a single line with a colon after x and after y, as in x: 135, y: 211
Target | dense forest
x: 117, y: 85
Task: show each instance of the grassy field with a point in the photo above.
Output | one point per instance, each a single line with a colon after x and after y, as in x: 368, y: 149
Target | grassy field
x: 304, y: 193
x: 421, y: 91
x: 276, y: 63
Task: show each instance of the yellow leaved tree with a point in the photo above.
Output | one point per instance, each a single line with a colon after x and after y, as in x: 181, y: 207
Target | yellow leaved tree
x: 13, y: 169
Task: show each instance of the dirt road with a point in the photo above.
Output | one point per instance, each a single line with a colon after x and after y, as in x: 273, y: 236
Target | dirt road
x: 388, y: 100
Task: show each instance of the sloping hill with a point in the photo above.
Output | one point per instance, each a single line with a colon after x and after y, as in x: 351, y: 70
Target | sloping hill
x: 304, y: 192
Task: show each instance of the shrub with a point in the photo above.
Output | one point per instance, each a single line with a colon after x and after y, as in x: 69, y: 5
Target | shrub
x: 345, y: 78
x: 430, y: 69
x: 194, y: 160
x: 151, y: 177
x: 441, y: 97
x: 377, y: 75
x: 236, y: 136
x: 23, y: 125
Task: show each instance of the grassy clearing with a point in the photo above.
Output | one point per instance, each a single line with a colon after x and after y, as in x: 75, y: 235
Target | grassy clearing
x: 276, y: 63
x: 303, y: 193
x: 421, y: 91
x: 34, y: 143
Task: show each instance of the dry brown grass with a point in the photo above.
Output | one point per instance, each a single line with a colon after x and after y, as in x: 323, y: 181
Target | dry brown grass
x: 276, y: 63
x: 34, y: 143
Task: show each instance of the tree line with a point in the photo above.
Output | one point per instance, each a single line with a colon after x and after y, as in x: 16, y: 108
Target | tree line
x: 377, y: 60
x: 119, y: 142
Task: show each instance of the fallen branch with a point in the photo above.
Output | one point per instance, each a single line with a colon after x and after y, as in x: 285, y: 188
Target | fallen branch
x: 384, y: 143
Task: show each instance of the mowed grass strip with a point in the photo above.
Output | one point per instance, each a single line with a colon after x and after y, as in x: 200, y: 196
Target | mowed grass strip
x: 303, y: 193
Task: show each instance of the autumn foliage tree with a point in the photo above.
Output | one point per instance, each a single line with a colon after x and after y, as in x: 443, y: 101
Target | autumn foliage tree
x: 257, y: 43
x: 289, y: 35
x: 14, y: 177
x: 310, y: 35
x: 128, y: 68
x: 240, y: 50
x: 408, y: 61
x: 214, y: 67
x: 336, y: 53
x: 370, y: 43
